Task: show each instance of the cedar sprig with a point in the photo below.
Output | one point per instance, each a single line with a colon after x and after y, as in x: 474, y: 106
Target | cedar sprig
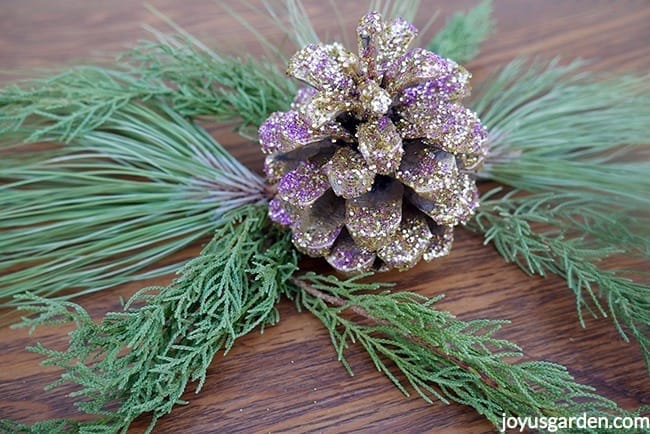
x: 578, y: 142
x: 86, y: 199
x: 173, y: 71
x: 140, y: 361
x: 442, y: 357
x: 570, y: 236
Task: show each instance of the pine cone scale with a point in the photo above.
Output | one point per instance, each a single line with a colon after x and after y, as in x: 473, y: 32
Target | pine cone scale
x: 374, y: 217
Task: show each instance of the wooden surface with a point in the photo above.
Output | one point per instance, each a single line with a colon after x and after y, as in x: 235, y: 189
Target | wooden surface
x: 288, y: 379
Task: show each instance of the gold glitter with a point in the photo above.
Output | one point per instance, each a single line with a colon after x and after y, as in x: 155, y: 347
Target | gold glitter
x: 450, y: 207
x: 322, y: 108
x: 376, y: 99
x: 409, y: 243
x: 314, y: 234
x: 374, y: 217
x: 426, y: 170
x: 440, y: 244
x: 349, y: 174
x: 348, y: 257
x: 380, y: 145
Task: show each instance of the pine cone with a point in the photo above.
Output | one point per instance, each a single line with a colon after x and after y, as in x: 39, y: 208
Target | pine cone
x: 373, y: 163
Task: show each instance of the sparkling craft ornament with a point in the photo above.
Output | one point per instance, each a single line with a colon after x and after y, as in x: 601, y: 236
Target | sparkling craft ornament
x: 373, y: 164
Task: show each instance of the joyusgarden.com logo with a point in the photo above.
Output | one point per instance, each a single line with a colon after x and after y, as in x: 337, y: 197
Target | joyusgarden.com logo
x: 584, y: 421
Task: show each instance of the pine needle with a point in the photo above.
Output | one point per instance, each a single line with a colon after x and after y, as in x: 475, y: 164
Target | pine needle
x: 554, y: 128
x: 391, y: 9
x: 580, y: 144
x: 463, y: 34
x: 131, y: 186
x: 442, y: 357
x: 299, y: 28
x: 141, y: 360
x: 95, y: 213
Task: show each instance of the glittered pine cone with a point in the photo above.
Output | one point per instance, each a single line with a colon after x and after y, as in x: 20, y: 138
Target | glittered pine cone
x: 373, y: 163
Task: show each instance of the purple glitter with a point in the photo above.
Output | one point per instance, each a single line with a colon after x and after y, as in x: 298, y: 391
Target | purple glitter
x: 295, y: 129
x: 430, y: 92
x: 383, y: 123
x: 419, y: 65
x: 302, y: 186
x: 303, y: 96
x: 279, y: 213
x: 347, y: 257
x: 285, y: 131
x: 269, y: 133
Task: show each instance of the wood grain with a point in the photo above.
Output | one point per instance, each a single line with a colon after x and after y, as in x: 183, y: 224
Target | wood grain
x: 288, y: 379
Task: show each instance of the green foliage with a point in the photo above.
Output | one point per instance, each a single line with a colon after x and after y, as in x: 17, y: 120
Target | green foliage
x: 50, y: 426
x: 290, y: 17
x: 95, y: 213
x: 443, y: 357
x: 568, y: 235
x: 140, y: 360
x: 68, y: 104
x: 174, y: 71
x: 207, y: 84
x: 135, y: 181
x: 463, y: 34
x: 390, y: 9
x: 580, y: 144
x: 554, y: 128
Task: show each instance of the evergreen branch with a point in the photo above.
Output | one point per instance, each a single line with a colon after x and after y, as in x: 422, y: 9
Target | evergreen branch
x: 175, y: 70
x: 51, y: 426
x: 443, y: 357
x: 552, y: 128
x: 140, y: 360
x: 569, y: 236
x: 68, y: 104
x: 584, y: 142
x: 463, y: 34
x: 225, y: 88
x: 95, y: 213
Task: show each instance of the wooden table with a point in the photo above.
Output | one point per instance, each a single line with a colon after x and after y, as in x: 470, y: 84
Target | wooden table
x: 288, y: 379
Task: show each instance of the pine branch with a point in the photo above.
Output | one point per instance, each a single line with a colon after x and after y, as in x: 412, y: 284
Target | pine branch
x: 568, y: 235
x: 554, y: 128
x: 95, y: 213
x: 140, y: 361
x: 463, y: 34
x: 442, y: 357
x: 68, y: 104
